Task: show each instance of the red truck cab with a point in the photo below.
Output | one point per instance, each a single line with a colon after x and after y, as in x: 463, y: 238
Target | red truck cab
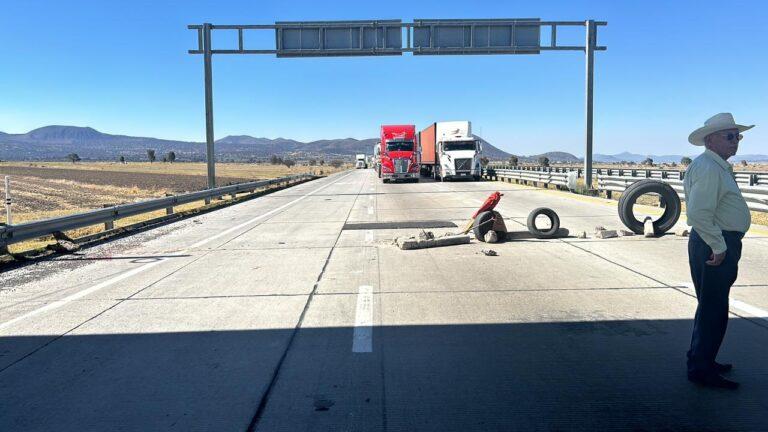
x: 399, y: 153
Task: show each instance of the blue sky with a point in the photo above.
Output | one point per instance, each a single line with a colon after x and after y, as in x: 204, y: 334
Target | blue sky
x: 122, y: 67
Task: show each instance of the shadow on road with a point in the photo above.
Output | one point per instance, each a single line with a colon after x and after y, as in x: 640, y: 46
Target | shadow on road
x: 599, y: 375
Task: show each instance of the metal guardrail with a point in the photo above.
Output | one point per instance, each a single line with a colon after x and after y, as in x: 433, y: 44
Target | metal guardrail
x: 15, y: 233
x: 753, y: 186
x: 749, y: 178
x: 755, y: 196
x: 536, y: 177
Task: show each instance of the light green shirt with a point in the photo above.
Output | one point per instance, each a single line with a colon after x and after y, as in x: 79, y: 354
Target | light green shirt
x: 713, y: 200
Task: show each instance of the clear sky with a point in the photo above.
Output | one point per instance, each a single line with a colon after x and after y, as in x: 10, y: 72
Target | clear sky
x: 123, y: 67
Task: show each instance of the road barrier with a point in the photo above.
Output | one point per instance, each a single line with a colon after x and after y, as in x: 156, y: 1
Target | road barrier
x: 10, y: 234
x: 526, y: 176
x: 753, y: 185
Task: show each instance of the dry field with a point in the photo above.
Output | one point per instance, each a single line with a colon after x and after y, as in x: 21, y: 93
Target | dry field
x: 48, y: 189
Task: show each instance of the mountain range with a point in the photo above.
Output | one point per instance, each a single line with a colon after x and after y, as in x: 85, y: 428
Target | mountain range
x: 56, y: 142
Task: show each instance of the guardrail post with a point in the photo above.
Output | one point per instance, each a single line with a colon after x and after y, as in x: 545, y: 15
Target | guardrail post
x: 168, y: 210
x: 110, y: 224
x: 752, y: 179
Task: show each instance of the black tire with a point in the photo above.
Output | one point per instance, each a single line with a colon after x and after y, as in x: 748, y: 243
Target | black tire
x: 668, y: 195
x: 379, y: 172
x: 539, y: 233
x: 483, y: 224
x: 476, y: 178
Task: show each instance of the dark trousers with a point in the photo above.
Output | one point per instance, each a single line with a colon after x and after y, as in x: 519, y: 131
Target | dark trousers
x: 713, y: 285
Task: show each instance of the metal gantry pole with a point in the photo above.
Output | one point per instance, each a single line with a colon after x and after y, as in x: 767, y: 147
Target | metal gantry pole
x: 210, y: 157
x: 589, y: 49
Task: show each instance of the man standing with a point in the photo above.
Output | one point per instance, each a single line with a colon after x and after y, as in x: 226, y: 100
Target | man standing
x: 719, y: 217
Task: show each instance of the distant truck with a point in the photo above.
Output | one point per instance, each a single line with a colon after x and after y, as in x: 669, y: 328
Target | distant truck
x: 449, y: 151
x: 360, y: 162
x: 398, y: 154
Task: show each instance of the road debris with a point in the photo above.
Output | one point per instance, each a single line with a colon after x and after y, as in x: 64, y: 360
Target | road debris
x: 624, y: 233
x: 682, y: 232
x: 426, y: 235
x: 489, y: 252
x: 606, y: 234
x: 582, y: 235
x: 411, y: 242
x: 648, y: 229
x: 491, y: 237
x: 488, y: 205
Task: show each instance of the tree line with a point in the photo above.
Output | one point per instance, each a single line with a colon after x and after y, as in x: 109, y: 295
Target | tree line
x: 170, y: 157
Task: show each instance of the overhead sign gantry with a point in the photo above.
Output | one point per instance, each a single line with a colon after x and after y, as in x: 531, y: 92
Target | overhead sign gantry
x: 385, y: 37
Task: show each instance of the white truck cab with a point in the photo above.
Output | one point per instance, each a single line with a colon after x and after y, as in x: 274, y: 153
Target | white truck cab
x: 458, y: 151
x: 360, y: 162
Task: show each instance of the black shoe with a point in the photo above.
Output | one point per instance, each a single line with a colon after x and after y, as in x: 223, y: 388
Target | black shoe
x: 713, y: 380
x: 723, y: 367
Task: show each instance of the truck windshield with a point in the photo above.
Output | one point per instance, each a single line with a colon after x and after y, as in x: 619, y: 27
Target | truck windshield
x: 400, y: 145
x: 459, y: 145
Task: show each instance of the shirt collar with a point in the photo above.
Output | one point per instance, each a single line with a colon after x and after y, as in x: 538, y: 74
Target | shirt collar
x: 720, y: 161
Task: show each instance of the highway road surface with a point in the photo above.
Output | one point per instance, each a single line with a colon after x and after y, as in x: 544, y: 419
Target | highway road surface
x: 291, y: 313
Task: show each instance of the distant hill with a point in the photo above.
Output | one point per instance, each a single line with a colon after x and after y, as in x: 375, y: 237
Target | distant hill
x: 492, y: 152
x: 55, y: 142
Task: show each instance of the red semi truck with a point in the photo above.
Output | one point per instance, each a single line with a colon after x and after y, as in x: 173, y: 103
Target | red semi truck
x: 399, y: 154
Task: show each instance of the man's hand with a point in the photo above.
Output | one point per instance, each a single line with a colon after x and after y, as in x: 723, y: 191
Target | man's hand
x: 716, y: 259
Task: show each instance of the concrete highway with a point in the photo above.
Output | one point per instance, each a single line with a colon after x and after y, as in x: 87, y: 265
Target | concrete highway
x: 284, y: 313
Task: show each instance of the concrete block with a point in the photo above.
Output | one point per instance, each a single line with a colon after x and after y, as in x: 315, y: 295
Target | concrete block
x: 605, y: 234
x: 625, y: 233
x: 408, y: 243
x: 582, y: 235
x: 682, y: 232
x: 491, y: 237
x: 648, y: 229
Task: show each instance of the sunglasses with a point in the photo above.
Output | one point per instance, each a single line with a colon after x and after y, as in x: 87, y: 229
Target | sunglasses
x: 733, y: 136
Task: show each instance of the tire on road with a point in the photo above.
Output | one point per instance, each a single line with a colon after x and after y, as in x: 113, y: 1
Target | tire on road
x: 551, y: 232
x: 668, y: 195
x: 483, y: 224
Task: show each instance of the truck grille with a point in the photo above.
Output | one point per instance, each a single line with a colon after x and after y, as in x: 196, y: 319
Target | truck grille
x: 463, y: 165
x: 401, y: 166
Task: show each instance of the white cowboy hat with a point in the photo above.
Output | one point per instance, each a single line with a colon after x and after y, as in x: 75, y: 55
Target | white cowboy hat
x: 717, y: 122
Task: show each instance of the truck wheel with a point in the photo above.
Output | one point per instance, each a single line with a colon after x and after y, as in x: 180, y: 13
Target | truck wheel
x: 668, y: 195
x: 483, y: 224
x: 554, y: 223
